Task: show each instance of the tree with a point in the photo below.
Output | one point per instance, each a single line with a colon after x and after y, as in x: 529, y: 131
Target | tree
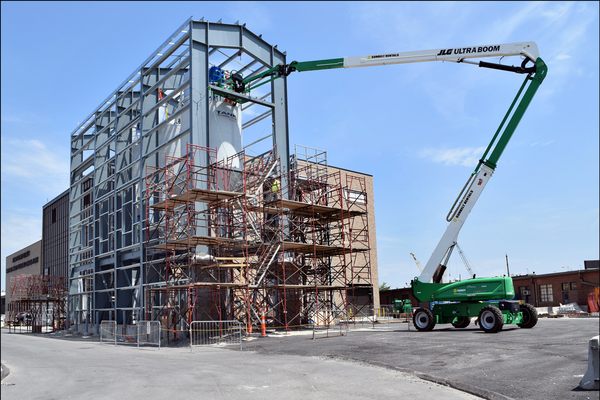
x: 384, y: 286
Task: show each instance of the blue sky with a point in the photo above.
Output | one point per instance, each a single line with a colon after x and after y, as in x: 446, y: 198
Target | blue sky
x: 417, y: 128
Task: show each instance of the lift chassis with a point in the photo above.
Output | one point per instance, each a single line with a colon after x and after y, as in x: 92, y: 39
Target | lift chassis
x: 458, y: 302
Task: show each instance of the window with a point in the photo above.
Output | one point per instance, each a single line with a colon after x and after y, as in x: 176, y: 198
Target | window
x: 355, y: 197
x: 546, y: 293
x: 54, y: 215
x: 573, y: 285
x: 565, y: 286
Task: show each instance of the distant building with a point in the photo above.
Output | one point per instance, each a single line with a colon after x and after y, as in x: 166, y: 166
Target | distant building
x: 55, y: 236
x: 387, y: 297
x: 25, y: 261
x: 548, y: 290
x: 591, y: 264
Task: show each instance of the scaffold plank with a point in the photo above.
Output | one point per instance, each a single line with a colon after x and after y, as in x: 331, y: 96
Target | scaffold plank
x: 196, y: 195
x: 200, y: 240
x: 308, y: 210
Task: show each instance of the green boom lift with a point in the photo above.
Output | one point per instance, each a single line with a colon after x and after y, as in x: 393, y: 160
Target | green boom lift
x: 488, y: 299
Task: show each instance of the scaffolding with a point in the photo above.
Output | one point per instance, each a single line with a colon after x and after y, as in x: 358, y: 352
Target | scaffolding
x: 37, y: 301
x: 226, y: 241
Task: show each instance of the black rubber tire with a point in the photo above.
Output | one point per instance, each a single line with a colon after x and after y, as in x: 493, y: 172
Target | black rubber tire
x: 530, y: 316
x: 462, y: 322
x: 423, y: 319
x: 490, y: 319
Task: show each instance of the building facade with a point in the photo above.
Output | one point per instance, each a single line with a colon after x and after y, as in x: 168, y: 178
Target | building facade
x: 551, y: 290
x: 186, y: 202
x: 27, y: 261
x: 55, y: 236
x: 365, y: 289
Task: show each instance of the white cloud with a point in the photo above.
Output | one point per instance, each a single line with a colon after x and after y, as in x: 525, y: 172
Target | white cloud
x: 543, y: 143
x: 255, y: 14
x: 559, y: 28
x: 569, y: 44
x: 32, y: 162
x: 562, y: 57
x: 11, y: 119
x: 504, y: 28
x: 406, y: 26
x: 464, y: 156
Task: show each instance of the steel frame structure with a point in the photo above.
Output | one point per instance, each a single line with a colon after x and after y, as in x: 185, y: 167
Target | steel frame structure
x: 135, y: 255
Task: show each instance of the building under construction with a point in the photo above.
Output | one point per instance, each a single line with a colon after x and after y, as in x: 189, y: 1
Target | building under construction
x: 187, y: 202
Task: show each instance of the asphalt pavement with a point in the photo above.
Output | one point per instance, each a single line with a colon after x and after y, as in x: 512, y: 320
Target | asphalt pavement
x: 43, y: 367
x: 546, y: 362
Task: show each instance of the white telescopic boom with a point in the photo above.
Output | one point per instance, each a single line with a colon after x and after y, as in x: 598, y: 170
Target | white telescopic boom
x: 455, y: 54
x: 459, y: 215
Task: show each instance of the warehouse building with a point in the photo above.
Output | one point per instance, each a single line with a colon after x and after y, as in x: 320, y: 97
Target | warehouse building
x: 551, y: 290
x: 27, y: 261
x: 36, y: 276
x: 187, y: 202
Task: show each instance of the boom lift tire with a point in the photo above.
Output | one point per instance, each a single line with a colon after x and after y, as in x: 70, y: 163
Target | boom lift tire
x: 461, y: 322
x: 423, y: 319
x: 530, y: 316
x: 490, y: 319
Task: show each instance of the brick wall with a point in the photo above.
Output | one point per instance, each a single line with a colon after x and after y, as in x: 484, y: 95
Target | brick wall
x: 548, y: 290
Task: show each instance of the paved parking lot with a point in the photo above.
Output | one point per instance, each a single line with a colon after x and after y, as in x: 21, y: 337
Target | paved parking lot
x: 546, y: 362
x: 48, y: 368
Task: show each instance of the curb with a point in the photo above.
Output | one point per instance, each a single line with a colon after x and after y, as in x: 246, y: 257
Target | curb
x: 463, y: 387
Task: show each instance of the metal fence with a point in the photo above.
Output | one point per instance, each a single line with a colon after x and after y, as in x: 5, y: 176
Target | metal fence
x: 204, y: 333
x: 108, y: 331
x: 139, y: 334
x: 361, y: 318
x: 385, y: 312
x: 148, y: 333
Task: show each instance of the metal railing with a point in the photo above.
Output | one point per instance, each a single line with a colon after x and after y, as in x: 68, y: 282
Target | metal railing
x: 148, y: 333
x: 108, y: 331
x: 203, y: 333
x: 341, y: 328
x: 385, y: 312
x: 139, y: 334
